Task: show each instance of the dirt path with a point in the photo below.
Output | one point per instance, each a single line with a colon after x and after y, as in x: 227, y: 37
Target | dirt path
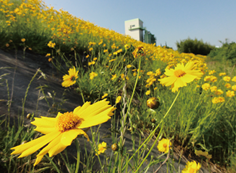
x: 19, y: 76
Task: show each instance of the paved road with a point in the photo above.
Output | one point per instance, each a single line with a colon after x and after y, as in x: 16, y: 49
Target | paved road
x: 21, y: 72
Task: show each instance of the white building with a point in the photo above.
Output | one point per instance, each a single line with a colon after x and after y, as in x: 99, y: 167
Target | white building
x: 134, y: 28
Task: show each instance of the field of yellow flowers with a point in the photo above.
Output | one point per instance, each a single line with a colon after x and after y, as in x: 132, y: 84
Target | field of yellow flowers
x: 172, y: 97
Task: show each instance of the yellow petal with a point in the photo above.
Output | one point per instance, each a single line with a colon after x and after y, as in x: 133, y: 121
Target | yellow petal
x: 70, y: 135
x: 78, y: 111
x: 98, y: 119
x: 44, y: 122
x: 47, y: 148
x: 56, y: 149
x: 169, y: 72
x: 32, y: 146
x: 44, y: 130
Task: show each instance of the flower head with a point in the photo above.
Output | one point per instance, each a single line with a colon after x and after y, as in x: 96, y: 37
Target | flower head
x: 101, y: 148
x: 23, y: 40
x: 104, y: 95
x: 62, y: 130
x: 51, y: 44
x: 191, y: 167
x: 205, y: 86
x: 230, y: 93
x: 148, y: 92
x: 234, y: 79
x: 226, y: 78
x: 164, y: 145
x: 92, y: 75
x: 118, y: 99
x: 180, y: 76
x: 70, y: 79
x: 222, y: 74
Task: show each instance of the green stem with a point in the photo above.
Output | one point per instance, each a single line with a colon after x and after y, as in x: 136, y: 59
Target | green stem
x: 55, y: 166
x: 100, y: 163
x: 26, y: 93
x: 78, y: 155
x: 153, y: 132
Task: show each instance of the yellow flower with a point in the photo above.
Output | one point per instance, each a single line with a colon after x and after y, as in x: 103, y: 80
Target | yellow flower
x: 51, y: 44
x: 150, y: 73
x: 91, y: 63
x: 201, y: 153
x: 205, y: 86
x: 213, y: 79
x: 164, y: 145
x: 101, y: 148
x: 128, y: 66
x: 90, y: 49
x: 230, y: 93
x: 23, y: 39
x: 234, y: 87
x: 87, y: 56
x: 91, y: 43
x: 104, y: 95
x: 127, y: 46
x: 191, y: 167
x: 48, y: 54
x: 118, y: 99
x: 148, y: 92
x: 227, y: 85
x: 70, y: 79
x: 105, y: 51
x: 234, y: 79
x: 226, y: 78
x: 207, y: 78
x: 215, y: 100
x: 219, y: 92
x: 112, y: 60
x: 158, y: 72
x: 213, y: 88
x: 180, y: 76
x: 49, y: 59
x: 100, y: 42
x: 212, y: 72
x: 222, y: 74
x: 92, y: 75
x: 113, y: 77
x: 221, y: 99
x: 62, y: 130
x: 95, y: 58
x: 7, y: 45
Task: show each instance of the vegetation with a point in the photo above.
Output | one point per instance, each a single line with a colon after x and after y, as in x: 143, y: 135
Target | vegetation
x: 194, y: 46
x: 227, y: 52
x: 196, y: 106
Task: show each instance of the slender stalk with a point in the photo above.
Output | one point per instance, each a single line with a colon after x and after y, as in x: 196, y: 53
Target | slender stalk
x: 27, y: 90
x: 153, y: 132
x: 78, y: 155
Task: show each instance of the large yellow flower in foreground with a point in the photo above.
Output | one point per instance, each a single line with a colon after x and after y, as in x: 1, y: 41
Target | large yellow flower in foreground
x: 180, y: 76
x: 70, y: 79
x: 62, y: 130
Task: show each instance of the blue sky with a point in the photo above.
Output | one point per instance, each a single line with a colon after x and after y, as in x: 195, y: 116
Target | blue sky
x: 168, y: 20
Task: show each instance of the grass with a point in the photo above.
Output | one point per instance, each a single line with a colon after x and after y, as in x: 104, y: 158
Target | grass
x: 122, y: 67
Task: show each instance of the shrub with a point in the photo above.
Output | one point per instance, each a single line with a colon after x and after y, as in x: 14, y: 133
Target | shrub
x: 194, y: 46
x: 226, y: 52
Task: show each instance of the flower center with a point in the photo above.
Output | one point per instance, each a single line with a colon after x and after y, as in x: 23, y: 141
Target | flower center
x: 164, y: 145
x: 179, y: 73
x: 72, y: 78
x: 191, y: 170
x: 68, y: 121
